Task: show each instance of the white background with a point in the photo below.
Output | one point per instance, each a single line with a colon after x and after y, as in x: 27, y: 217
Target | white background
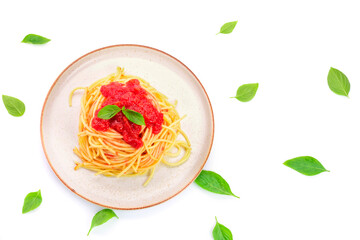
x: 285, y: 46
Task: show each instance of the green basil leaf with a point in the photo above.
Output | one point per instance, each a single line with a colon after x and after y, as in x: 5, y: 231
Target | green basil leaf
x: 246, y: 92
x: 14, y: 106
x: 32, y: 201
x: 133, y: 116
x: 108, y: 111
x: 213, y: 182
x: 220, y: 232
x: 227, y: 27
x: 306, y: 165
x: 338, y: 82
x: 102, y: 217
x: 35, y: 39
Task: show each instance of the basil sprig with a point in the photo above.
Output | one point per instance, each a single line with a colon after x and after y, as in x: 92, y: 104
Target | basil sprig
x: 220, y: 232
x: 32, y: 201
x: 306, y: 165
x: 246, y: 92
x: 213, y: 182
x: 109, y: 111
x: 102, y: 217
x: 14, y: 106
x: 35, y: 39
x: 228, y: 27
x: 133, y: 116
x: 338, y: 82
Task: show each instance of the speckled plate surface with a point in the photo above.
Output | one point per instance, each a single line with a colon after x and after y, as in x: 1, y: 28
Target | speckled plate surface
x: 59, y: 125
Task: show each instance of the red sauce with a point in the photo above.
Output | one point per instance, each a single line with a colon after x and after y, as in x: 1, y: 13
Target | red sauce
x: 133, y: 97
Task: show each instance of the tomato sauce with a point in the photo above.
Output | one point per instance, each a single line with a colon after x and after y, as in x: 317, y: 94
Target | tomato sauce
x: 131, y: 96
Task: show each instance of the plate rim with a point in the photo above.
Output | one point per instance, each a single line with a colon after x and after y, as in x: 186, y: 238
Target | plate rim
x: 115, y: 46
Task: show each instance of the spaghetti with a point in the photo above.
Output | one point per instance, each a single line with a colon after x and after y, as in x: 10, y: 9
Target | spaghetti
x: 107, y: 150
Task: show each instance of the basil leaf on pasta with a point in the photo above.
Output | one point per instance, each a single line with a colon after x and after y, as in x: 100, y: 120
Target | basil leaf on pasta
x: 133, y: 116
x: 220, y: 232
x: 213, y: 182
x: 102, y: 217
x: 35, y: 39
x: 32, y: 201
x: 14, y: 106
x: 108, y: 111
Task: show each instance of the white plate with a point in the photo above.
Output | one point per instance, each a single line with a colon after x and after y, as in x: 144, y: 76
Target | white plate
x: 59, y: 125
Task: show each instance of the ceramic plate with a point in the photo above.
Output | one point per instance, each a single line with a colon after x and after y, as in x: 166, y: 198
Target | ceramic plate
x: 59, y: 125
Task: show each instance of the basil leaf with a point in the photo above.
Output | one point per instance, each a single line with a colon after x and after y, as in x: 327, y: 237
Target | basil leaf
x: 338, y: 82
x: 14, y: 106
x: 220, y: 232
x: 213, y: 182
x: 246, y: 92
x: 35, y: 39
x: 227, y: 27
x: 133, y: 116
x: 306, y: 165
x: 108, y: 111
x: 102, y: 217
x: 32, y: 201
